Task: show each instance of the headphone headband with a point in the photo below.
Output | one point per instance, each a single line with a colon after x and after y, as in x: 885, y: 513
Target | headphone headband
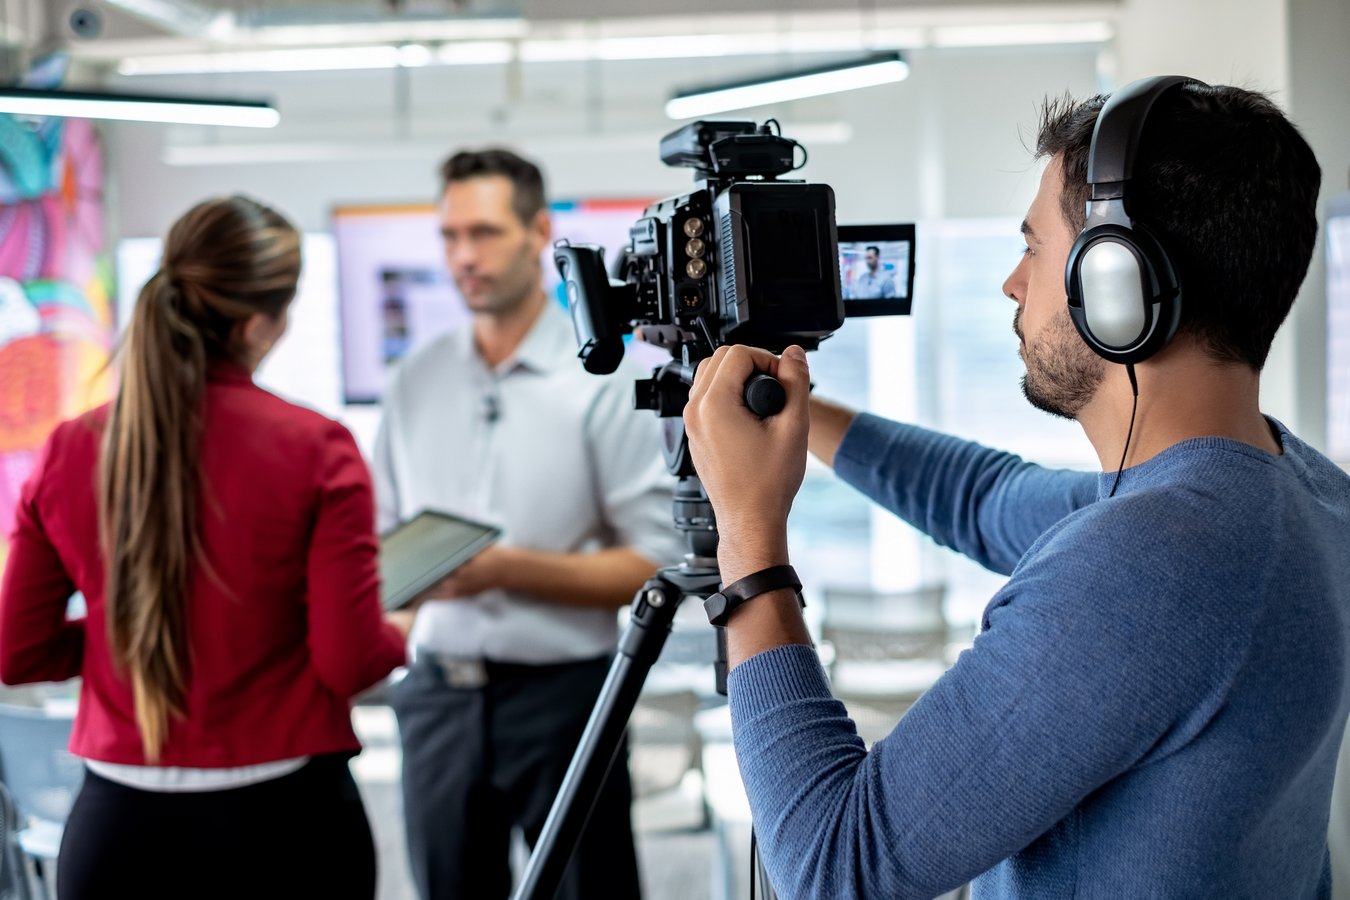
x: 1115, y: 138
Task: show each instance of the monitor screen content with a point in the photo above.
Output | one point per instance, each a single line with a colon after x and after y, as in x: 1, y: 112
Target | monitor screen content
x: 876, y: 269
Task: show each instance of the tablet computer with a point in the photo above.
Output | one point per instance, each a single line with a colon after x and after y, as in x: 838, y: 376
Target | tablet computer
x: 416, y: 554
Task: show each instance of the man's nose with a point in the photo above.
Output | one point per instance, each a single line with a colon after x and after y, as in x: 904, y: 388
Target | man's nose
x: 1014, y: 286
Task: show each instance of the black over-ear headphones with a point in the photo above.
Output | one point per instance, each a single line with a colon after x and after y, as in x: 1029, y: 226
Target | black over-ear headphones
x: 1124, y: 296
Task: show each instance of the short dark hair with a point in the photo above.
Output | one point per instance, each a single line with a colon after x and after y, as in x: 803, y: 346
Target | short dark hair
x: 874, y: 248
x: 1229, y: 187
x: 527, y: 181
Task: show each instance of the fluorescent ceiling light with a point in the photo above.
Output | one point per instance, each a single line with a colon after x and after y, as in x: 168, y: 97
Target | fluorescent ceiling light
x: 480, y: 52
x: 394, y: 31
x: 487, y: 52
x: 138, y: 107
x: 306, y: 59
x: 869, y: 71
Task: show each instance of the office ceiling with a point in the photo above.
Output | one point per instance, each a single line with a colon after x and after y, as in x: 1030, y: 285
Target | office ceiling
x: 256, y: 13
x: 108, y: 30
x: 483, y: 65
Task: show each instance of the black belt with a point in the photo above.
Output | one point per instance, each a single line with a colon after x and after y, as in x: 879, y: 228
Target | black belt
x: 471, y: 673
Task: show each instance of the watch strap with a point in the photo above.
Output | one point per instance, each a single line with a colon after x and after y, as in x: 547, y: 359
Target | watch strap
x: 720, y: 605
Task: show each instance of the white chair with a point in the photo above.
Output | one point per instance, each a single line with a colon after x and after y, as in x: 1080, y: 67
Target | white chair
x: 882, y: 650
x: 665, y: 751
x: 1338, y: 831
x: 42, y: 778
x: 730, y: 811
x: 15, y: 877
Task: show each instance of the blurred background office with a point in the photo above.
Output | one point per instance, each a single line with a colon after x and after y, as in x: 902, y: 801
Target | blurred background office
x: 372, y: 94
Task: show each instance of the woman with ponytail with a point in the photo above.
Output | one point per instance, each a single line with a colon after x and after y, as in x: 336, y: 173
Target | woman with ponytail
x: 224, y: 542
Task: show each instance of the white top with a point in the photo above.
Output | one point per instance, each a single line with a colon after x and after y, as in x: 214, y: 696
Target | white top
x: 181, y: 779
x: 557, y: 457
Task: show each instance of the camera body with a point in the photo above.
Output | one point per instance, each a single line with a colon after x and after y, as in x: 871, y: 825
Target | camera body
x: 745, y: 258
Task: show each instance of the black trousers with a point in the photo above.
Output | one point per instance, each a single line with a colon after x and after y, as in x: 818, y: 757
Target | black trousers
x: 478, y: 761
x: 302, y: 835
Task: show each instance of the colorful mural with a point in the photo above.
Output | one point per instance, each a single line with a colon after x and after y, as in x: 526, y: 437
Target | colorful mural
x: 56, y: 316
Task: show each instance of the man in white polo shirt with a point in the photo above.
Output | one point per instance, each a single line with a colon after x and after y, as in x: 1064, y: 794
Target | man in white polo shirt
x: 874, y: 283
x: 497, y: 421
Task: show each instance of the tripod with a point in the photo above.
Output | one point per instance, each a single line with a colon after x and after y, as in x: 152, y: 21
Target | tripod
x: 653, y: 613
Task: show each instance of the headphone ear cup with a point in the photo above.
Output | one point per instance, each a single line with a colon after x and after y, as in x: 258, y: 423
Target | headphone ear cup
x: 1122, y: 292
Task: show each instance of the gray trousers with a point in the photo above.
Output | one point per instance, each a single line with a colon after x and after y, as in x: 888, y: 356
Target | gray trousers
x: 479, y: 760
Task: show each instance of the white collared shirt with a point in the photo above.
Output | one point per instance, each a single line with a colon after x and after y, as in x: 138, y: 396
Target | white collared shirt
x: 554, y: 455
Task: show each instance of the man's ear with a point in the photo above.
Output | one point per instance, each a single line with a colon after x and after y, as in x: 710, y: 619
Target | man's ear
x: 541, y: 228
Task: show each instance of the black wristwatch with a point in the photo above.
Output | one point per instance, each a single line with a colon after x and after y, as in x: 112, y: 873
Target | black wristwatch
x: 720, y: 605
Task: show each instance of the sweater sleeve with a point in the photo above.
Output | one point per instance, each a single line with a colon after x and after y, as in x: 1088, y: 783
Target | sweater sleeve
x: 986, y: 504
x: 350, y: 644
x: 1080, y: 674
x: 37, y: 642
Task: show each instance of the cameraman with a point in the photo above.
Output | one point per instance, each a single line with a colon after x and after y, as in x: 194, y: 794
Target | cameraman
x: 1155, y: 702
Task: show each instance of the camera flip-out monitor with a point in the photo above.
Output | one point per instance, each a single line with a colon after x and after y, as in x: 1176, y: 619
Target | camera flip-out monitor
x: 876, y: 267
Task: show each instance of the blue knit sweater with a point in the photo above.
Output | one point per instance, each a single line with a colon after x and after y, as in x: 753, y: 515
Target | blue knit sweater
x: 1153, y: 707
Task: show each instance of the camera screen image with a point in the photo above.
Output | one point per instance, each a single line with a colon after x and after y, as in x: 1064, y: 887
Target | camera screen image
x: 876, y: 269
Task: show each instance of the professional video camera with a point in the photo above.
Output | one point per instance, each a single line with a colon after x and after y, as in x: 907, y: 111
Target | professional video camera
x: 742, y: 259
x: 745, y: 258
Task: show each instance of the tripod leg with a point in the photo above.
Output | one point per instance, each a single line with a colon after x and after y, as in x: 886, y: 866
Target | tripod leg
x: 653, y: 612
x: 760, y: 888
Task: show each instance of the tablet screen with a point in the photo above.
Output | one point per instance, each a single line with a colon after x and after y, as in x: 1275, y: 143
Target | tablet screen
x: 423, y: 550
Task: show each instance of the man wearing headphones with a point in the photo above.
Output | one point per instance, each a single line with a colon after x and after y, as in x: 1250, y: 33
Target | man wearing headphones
x: 1155, y: 702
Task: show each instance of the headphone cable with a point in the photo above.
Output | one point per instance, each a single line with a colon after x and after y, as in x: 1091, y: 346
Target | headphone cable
x: 1134, y: 387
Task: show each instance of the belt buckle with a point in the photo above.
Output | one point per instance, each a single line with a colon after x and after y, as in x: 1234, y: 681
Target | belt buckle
x: 465, y: 674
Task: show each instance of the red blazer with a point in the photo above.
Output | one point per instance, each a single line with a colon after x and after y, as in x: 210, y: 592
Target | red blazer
x: 287, y: 521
